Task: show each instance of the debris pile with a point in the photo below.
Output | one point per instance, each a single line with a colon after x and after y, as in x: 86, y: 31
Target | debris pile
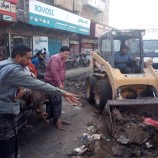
x: 88, y: 142
x: 134, y: 133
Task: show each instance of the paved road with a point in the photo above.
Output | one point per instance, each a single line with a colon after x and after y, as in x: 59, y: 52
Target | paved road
x: 77, y: 71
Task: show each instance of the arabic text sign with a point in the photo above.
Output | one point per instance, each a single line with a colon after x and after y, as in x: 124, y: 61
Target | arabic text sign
x: 6, y: 8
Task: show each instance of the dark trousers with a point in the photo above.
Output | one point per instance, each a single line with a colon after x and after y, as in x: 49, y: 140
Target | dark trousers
x: 54, y: 106
x: 8, y: 136
x: 22, y: 118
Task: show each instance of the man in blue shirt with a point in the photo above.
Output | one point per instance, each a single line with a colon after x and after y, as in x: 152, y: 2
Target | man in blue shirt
x: 122, y: 60
x: 37, y: 59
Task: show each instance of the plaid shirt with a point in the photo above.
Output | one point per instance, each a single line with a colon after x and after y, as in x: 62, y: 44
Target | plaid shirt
x: 17, y: 77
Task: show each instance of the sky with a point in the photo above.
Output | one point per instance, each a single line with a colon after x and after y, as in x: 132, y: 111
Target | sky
x: 133, y: 13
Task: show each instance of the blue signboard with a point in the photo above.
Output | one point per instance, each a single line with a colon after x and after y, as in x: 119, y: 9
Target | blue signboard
x: 41, y: 14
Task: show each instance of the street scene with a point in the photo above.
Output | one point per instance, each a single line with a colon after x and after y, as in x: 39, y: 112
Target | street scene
x: 43, y: 140
x: 86, y: 136
x: 78, y: 79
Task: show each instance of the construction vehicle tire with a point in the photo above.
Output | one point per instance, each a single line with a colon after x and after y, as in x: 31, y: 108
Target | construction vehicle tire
x: 103, y: 92
x: 90, y: 85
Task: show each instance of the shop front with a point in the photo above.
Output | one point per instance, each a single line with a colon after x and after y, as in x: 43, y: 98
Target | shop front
x: 16, y: 38
x: 8, y: 11
x: 74, y: 45
x: 7, y: 17
x: 89, y: 45
x: 44, y: 15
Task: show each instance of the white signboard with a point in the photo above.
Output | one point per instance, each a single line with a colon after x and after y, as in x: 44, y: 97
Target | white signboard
x: 42, y: 14
x: 39, y: 43
x: 7, y: 18
x: 5, y: 6
x: 99, y: 30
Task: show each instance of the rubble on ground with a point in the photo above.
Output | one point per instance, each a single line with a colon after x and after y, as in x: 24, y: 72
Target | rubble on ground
x: 132, y: 137
x: 135, y: 138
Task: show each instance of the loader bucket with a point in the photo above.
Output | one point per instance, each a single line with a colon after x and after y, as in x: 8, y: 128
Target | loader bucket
x: 138, y: 107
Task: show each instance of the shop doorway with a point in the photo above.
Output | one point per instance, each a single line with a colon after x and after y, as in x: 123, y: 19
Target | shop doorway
x: 16, y: 39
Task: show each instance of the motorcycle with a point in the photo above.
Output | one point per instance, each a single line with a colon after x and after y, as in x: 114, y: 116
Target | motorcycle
x: 71, y: 63
x: 83, y: 61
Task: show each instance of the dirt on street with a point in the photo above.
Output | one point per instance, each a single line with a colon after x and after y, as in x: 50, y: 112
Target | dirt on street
x: 87, y: 132
x: 45, y: 141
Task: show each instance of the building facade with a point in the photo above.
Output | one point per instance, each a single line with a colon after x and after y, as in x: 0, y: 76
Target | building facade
x: 52, y: 23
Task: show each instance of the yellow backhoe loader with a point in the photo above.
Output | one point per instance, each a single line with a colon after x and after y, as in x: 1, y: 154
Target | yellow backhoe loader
x: 108, y: 88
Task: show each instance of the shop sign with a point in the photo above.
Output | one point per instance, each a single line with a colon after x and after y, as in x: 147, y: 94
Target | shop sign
x: 41, y: 14
x: 13, y: 8
x: 8, y: 9
x: 89, y: 41
x: 99, y: 30
x: 7, y: 18
x: 39, y: 42
x: 74, y: 42
x: 5, y: 6
x: 13, y: 1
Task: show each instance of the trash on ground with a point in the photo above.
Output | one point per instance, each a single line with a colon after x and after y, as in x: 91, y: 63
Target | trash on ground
x: 95, y: 137
x: 118, y: 114
x: 92, y: 128
x: 85, y: 137
x: 148, y: 145
x: 150, y: 121
x: 80, y: 150
x: 123, y: 140
x: 77, y: 108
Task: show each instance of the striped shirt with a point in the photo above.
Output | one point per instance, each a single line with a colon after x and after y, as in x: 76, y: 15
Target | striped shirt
x: 15, y: 78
